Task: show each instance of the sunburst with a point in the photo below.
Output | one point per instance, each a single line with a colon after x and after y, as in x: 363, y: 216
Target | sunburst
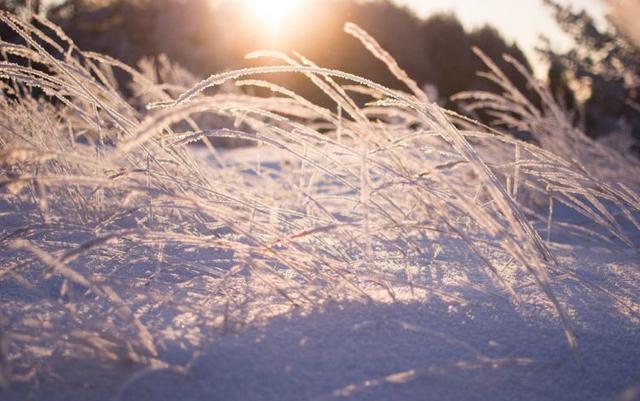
x: 273, y: 13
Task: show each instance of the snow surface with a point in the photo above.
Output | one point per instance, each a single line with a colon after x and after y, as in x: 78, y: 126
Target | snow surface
x: 475, y: 345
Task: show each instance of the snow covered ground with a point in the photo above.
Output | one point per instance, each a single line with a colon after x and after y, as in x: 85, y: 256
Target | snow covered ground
x: 391, y: 250
x: 456, y: 337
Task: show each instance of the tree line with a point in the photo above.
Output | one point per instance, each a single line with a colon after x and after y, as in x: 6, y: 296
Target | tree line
x: 596, y: 81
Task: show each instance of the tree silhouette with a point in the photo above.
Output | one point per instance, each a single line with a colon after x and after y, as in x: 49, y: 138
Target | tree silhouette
x: 205, y: 39
x: 607, y: 63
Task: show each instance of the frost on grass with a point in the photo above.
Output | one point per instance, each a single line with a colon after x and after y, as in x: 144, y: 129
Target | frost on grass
x: 124, y: 242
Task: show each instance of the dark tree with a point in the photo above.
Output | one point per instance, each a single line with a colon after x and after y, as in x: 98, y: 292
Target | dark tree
x: 450, y: 61
x: 607, y: 62
x: 205, y: 39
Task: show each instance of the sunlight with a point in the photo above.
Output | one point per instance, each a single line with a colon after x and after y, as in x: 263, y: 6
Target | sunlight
x: 272, y: 13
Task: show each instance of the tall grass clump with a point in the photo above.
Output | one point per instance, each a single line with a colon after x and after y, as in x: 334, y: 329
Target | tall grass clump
x: 116, y: 224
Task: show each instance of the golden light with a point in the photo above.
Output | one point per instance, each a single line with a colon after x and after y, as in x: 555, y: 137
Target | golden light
x: 273, y: 13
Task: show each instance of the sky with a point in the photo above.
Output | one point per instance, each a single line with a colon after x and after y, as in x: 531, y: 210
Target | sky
x: 519, y: 20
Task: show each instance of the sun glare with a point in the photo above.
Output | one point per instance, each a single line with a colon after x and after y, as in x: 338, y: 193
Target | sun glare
x: 272, y: 13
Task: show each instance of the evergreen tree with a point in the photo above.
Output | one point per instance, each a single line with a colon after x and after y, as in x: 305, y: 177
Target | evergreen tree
x: 604, y: 65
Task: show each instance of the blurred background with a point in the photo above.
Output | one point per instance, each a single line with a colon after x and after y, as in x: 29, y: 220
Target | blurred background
x: 584, y: 50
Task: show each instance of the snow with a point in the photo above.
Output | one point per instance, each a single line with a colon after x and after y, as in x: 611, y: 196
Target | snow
x: 460, y: 338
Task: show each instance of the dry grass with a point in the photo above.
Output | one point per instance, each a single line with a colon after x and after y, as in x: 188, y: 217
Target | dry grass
x: 118, y: 214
